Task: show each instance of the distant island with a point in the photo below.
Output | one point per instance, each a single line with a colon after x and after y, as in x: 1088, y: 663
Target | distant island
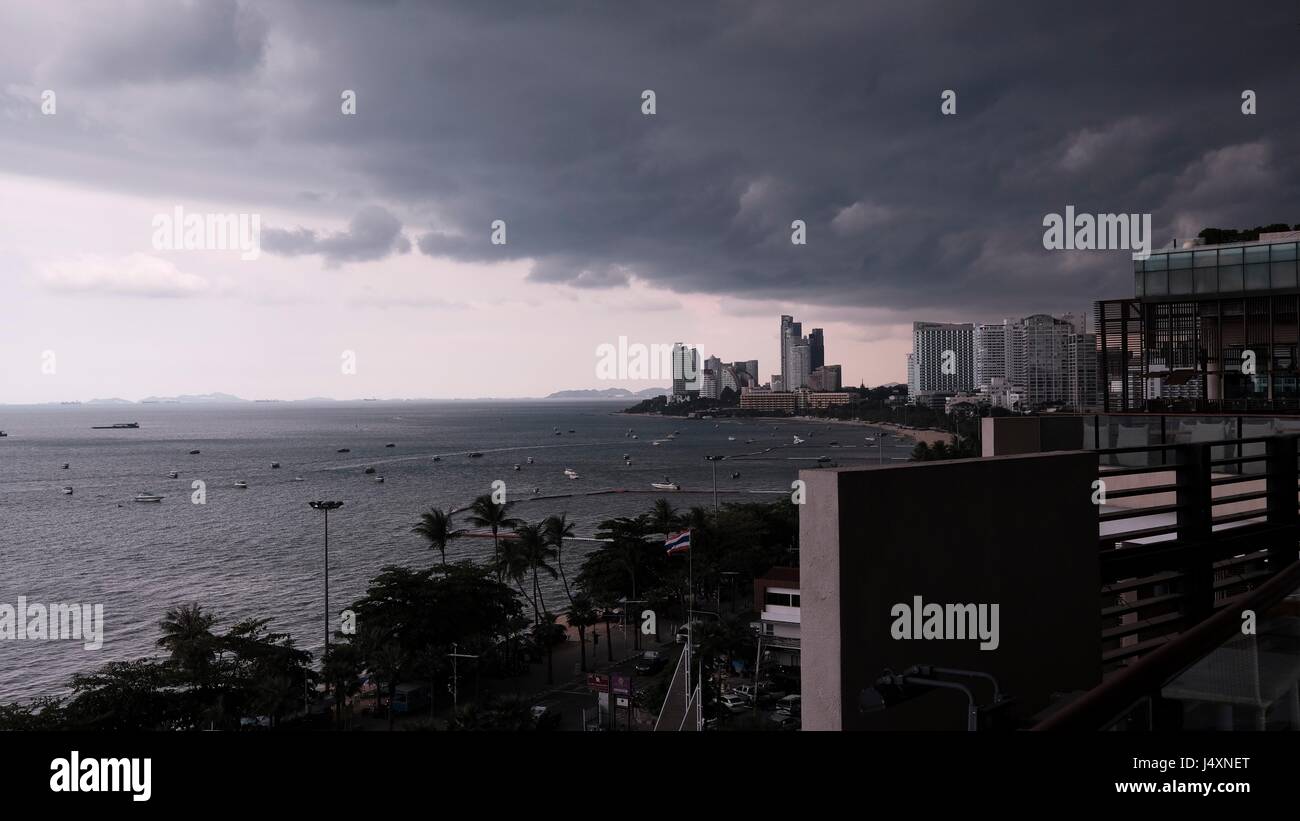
x: 610, y: 393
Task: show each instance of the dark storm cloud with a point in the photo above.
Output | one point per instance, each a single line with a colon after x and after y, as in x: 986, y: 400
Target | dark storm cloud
x: 373, y: 233
x: 767, y: 112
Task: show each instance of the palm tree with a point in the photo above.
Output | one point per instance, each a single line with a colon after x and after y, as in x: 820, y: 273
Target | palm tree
x: 581, y: 615
x: 187, y: 636
x: 275, y: 695
x: 663, y: 517
x: 435, y: 527
x: 559, y: 528
x: 536, y: 550
x: 484, y: 512
x: 512, y: 563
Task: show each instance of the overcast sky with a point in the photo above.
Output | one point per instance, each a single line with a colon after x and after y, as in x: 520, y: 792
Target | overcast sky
x: 375, y: 227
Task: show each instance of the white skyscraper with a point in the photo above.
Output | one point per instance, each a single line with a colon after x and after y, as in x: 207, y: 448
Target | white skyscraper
x: 991, y: 352
x: 943, y: 357
x: 800, y: 367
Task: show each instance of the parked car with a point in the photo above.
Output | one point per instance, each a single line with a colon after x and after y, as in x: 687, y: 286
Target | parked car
x: 785, y: 721
x: 650, y: 663
x: 733, y: 703
x: 788, y: 705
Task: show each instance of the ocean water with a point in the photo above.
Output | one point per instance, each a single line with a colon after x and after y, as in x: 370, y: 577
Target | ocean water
x: 258, y: 552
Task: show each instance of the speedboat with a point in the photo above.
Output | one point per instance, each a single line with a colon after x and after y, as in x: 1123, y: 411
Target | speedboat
x: 275, y: 465
x: 68, y: 490
x: 516, y: 467
x: 475, y: 455
x: 571, y: 473
x: 735, y: 475
x: 344, y: 450
x: 437, y: 458
x: 627, y: 456
x: 65, y: 465
x: 536, y: 490
x: 798, y: 441
x: 379, y: 480
x: 634, y: 436
x: 241, y: 484
x: 297, y: 478
x: 665, y: 486
x: 3, y: 434
x: 391, y: 445
x: 369, y: 471
x: 731, y: 438
x: 194, y: 453
x: 571, y: 430
x: 172, y: 475
x: 530, y: 460
x: 146, y: 496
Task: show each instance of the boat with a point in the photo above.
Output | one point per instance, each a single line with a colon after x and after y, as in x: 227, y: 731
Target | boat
x: 537, y: 490
x: 241, y: 484
x: 437, y: 458
x: 627, y: 456
x: 665, y: 486
x: 731, y: 438
x: 173, y: 474
x: 571, y: 430
x: 65, y: 466
x: 194, y: 453
x: 297, y: 478
x: 68, y: 490
x: 798, y: 441
x: 3, y: 434
x: 344, y: 450
x: 379, y: 480
x: 146, y: 496
x: 558, y: 433
x: 735, y: 475
x: 516, y: 467
x: 749, y: 441
x: 390, y: 445
x: 275, y: 465
x: 369, y: 471
x: 571, y: 473
x: 530, y: 460
x: 117, y: 426
x: 475, y: 455
x: 634, y: 436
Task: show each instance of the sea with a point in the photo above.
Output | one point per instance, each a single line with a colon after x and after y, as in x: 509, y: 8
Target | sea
x: 258, y: 552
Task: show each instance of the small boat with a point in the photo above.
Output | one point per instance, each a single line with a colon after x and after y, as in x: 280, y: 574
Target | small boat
x: 798, y: 441
x: 117, y: 426
x: 241, y: 484
x: 475, y: 455
x: 571, y: 473
x: 65, y: 466
x: 173, y: 474
x: 379, y: 480
x: 634, y: 436
x: 146, y: 496
x: 665, y: 486
x: 3, y: 434
x: 297, y: 478
x: 627, y: 456
x: 731, y: 438
x: 558, y: 433
x: 369, y: 471
x: 344, y: 450
x: 735, y: 475
x: 530, y: 460
x: 571, y: 430
x: 390, y: 445
x: 536, y: 490
x: 749, y: 441
x: 67, y: 491
x: 437, y: 458
x: 516, y: 467
x: 275, y: 465
x: 194, y: 453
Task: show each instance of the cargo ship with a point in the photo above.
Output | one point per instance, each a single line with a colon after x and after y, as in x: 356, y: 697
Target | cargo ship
x: 117, y: 426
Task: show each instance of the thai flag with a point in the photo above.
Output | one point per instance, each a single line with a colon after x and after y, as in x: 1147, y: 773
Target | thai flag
x: 678, y: 543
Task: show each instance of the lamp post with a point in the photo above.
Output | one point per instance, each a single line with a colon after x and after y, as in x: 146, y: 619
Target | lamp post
x: 327, y: 507
x: 713, y: 460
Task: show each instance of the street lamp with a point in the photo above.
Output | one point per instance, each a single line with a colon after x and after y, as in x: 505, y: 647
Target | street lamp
x: 713, y: 460
x: 891, y: 689
x: 327, y: 507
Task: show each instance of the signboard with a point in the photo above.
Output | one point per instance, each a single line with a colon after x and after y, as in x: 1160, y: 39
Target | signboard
x: 620, y: 701
x: 622, y: 684
x: 597, y: 681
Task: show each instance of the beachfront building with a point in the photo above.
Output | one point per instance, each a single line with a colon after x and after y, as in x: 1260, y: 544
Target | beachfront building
x: 763, y: 399
x: 776, y: 600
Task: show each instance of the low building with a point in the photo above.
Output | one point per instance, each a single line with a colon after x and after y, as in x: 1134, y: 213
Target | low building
x: 776, y: 599
x: 767, y: 400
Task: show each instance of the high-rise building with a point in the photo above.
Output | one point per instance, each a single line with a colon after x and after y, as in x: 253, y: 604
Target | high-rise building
x: 943, y: 357
x: 912, y: 388
x: 711, y: 378
x: 800, y: 367
x: 686, y: 370
x: 991, y: 350
x: 730, y: 379
x: 1041, y: 359
x: 1084, y: 389
x: 791, y: 337
x: 817, y: 344
x: 825, y: 378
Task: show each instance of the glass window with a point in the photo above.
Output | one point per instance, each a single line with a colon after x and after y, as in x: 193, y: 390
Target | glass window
x: 1157, y: 284
x: 1180, y: 282
x: 1229, y: 256
x: 1206, y: 259
x: 1157, y: 262
x: 1284, y: 275
x: 1256, y: 277
x: 1139, y: 281
x: 1230, y: 279
x: 1256, y: 253
x: 1181, y: 260
x: 1207, y: 280
x: 1283, y: 252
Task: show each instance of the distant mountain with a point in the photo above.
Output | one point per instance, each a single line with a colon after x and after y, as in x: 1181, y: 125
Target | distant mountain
x: 610, y: 393
x: 113, y: 401
x: 196, y: 399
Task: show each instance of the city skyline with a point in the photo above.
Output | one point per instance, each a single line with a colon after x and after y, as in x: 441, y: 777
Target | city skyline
x: 376, y: 223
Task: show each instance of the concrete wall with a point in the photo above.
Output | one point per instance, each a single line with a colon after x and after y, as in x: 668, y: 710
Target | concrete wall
x: 1018, y: 531
x: 1008, y: 435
